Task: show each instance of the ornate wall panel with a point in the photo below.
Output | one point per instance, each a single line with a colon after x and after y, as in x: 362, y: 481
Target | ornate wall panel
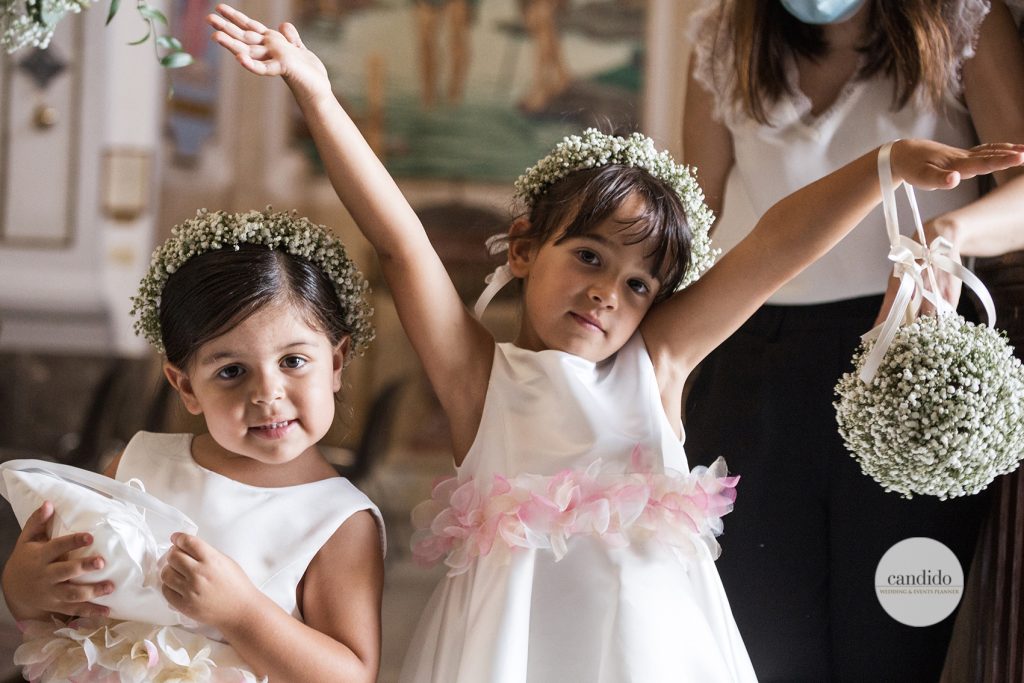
x: 40, y: 132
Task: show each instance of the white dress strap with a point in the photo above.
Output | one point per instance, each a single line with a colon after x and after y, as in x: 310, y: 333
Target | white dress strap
x: 501, y: 276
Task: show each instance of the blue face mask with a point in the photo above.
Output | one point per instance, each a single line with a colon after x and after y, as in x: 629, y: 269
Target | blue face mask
x: 822, y: 11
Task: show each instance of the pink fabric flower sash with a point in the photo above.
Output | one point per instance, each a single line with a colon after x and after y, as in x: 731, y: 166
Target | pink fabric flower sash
x: 467, y: 519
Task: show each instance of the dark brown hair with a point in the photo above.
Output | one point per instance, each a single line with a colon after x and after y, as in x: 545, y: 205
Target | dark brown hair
x: 215, y: 291
x: 907, y: 40
x: 574, y: 205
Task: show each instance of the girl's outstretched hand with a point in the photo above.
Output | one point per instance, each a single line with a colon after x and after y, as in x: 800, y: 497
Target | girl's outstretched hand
x: 933, y: 166
x: 266, y: 52
x: 39, y: 578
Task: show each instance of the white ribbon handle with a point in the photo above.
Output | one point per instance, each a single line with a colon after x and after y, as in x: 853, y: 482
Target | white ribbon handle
x: 501, y: 276
x: 914, y: 260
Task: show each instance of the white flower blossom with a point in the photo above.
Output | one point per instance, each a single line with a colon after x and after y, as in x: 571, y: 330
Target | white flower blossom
x: 594, y: 148
x: 943, y: 416
x: 275, y: 230
x: 100, y: 650
x: 32, y: 22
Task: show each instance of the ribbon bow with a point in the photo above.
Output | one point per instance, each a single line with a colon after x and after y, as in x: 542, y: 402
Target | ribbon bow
x: 914, y: 261
x: 501, y: 276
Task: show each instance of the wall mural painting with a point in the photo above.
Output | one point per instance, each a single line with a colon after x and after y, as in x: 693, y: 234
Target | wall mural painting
x: 477, y: 90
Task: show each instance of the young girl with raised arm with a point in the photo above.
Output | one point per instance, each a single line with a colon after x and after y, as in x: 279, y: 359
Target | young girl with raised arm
x: 257, y: 314
x: 579, y: 543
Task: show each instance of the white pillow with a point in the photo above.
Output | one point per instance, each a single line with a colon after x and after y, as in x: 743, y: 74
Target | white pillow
x: 131, y: 530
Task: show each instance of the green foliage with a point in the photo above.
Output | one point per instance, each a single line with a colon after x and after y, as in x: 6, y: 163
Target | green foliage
x: 174, y: 56
x: 32, y: 22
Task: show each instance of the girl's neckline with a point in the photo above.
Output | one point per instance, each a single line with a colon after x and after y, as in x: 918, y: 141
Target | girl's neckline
x: 577, y: 361
x: 214, y: 473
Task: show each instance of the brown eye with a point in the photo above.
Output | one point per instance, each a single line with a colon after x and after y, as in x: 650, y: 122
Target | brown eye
x: 230, y: 372
x: 639, y: 286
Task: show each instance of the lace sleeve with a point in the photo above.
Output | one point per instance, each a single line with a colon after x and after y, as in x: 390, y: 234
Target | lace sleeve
x: 964, y: 19
x: 713, y: 57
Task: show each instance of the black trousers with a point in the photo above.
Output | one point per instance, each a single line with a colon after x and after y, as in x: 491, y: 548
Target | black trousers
x: 801, y: 548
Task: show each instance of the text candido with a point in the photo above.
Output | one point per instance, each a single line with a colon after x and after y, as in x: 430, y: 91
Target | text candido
x: 927, y: 577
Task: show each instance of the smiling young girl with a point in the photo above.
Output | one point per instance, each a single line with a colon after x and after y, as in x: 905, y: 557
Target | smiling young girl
x: 257, y: 314
x: 580, y: 544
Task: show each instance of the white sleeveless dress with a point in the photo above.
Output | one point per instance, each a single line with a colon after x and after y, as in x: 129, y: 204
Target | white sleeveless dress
x: 579, y: 544
x: 272, y: 533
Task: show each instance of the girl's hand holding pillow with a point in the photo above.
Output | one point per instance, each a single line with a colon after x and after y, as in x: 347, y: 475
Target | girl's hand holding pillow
x: 40, y: 579
x: 205, y: 584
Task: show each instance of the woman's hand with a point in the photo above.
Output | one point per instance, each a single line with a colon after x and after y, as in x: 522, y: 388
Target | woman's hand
x: 205, y: 584
x: 40, y: 579
x: 266, y: 52
x: 933, y: 166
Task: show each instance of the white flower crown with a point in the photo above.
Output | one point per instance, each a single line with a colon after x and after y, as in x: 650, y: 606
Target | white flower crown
x: 593, y: 149
x: 211, y: 231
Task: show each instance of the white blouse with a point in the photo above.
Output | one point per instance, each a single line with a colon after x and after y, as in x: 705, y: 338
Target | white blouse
x: 799, y: 148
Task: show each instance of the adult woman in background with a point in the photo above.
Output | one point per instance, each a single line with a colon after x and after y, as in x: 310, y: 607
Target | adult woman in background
x: 780, y: 94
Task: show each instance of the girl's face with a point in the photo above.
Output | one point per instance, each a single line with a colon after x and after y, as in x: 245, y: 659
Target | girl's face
x: 266, y: 387
x: 587, y: 294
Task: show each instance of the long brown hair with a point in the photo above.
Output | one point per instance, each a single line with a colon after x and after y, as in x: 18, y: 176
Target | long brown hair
x: 907, y: 41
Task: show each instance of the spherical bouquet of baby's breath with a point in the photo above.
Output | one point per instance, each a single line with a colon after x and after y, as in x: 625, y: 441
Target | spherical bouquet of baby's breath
x: 287, y: 231
x: 594, y: 149
x: 944, y: 414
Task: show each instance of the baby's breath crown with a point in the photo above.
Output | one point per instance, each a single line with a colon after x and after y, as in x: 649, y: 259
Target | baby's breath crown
x: 211, y: 231
x: 593, y: 149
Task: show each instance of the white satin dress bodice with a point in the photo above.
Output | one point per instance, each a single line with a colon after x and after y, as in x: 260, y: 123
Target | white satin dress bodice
x: 272, y: 533
x: 585, y: 573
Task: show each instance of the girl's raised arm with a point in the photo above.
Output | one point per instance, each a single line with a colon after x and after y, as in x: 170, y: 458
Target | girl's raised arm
x: 456, y: 351
x: 791, y: 235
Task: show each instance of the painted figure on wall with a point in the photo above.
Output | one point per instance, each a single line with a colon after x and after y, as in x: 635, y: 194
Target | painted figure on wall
x: 457, y: 80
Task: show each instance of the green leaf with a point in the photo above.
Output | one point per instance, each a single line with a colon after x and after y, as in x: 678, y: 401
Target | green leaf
x: 169, y: 43
x: 152, y: 14
x: 176, y: 60
x: 141, y: 40
x: 114, y: 6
